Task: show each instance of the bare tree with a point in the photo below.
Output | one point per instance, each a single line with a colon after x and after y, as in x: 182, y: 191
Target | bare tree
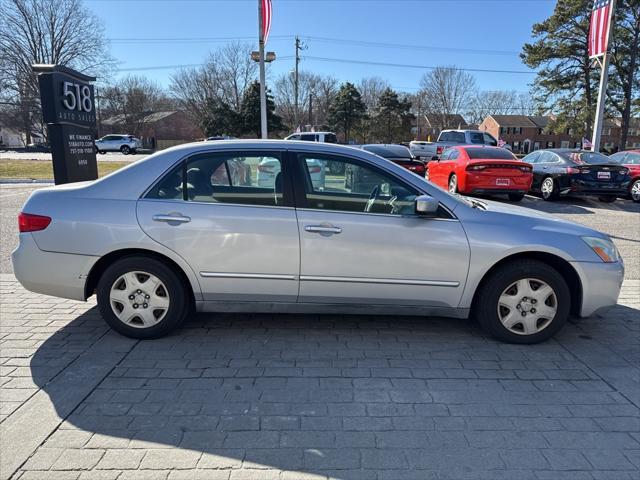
x: 59, y: 32
x: 225, y: 77
x: 491, y: 102
x: 131, y: 99
x: 315, y: 95
x: 446, y: 91
x: 371, y: 88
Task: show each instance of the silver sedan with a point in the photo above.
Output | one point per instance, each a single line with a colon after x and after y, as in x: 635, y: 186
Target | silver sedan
x: 172, y: 234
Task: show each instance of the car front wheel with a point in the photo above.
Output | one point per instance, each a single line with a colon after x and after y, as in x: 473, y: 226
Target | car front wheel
x: 453, y: 184
x: 635, y: 191
x: 141, y: 297
x: 526, y: 301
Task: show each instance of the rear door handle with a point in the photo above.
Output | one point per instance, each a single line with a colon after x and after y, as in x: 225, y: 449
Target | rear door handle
x: 171, y: 218
x: 323, y: 229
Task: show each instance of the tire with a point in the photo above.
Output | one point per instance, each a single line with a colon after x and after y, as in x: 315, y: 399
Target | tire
x: 133, y: 151
x: 607, y: 198
x: 549, y: 189
x: 453, y: 184
x: 101, y: 152
x: 634, y: 190
x: 509, y: 280
x: 129, y: 276
x: 125, y: 150
x: 516, y: 197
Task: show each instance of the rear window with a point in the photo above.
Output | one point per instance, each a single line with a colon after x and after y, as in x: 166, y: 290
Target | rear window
x: 591, y: 158
x: 389, y: 151
x: 626, y: 158
x: 330, y: 138
x: 480, y: 153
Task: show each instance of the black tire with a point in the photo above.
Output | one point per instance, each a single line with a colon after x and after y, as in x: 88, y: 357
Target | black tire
x: 125, y: 150
x: 553, y: 194
x: 634, y: 190
x: 102, y: 152
x: 485, y: 307
x: 133, y: 151
x: 607, y: 198
x: 452, y: 186
x: 178, y: 293
x: 516, y: 197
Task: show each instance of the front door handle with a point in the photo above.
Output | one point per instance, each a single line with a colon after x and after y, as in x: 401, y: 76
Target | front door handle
x: 323, y: 229
x: 178, y: 218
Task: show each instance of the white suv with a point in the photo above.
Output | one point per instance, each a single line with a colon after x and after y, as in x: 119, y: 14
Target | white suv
x: 125, y: 144
x: 324, y: 137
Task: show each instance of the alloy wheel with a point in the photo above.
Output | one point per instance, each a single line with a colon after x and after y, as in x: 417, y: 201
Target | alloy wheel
x: 453, y: 184
x: 139, y: 299
x: 635, y: 191
x: 547, y: 187
x: 527, y: 306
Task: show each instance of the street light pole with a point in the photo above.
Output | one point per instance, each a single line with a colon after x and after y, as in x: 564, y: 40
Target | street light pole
x: 263, y: 91
x: 296, y: 83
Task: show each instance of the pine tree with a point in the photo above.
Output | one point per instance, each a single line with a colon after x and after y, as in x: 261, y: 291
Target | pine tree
x: 347, y: 110
x: 392, y: 117
x: 250, y: 111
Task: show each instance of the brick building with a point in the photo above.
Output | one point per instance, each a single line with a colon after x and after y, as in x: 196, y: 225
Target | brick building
x: 526, y: 133
x: 157, y: 130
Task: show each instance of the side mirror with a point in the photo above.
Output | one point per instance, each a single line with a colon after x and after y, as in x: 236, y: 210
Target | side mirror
x: 426, y: 205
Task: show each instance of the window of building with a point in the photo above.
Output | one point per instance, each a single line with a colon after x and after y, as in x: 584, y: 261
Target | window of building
x: 550, y: 144
x: 564, y: 144
x: 517, y: 130
x: 540, y: 131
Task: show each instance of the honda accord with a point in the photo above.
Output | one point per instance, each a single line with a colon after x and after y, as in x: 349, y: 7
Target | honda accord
x: 166, y: 236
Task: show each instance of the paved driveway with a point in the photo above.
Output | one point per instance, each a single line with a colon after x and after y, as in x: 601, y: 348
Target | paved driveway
x: 305, y: 396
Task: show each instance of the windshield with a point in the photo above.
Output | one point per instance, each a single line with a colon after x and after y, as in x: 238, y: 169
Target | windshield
x: 482, y: 153
x: 389, y: 151
x: 580, y: 158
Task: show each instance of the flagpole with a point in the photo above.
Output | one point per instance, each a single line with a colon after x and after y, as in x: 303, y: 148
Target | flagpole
x: 602, y: 92
x: 263, y: 93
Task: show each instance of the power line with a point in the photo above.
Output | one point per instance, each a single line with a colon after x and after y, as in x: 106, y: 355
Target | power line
x: 325, y: 1
x: 172, y: 67
x: 421, y: 67
x: 154, y: 40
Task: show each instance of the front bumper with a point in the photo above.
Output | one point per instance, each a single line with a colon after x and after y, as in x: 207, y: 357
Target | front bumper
x: 50, y: 273
x: 601, y: 284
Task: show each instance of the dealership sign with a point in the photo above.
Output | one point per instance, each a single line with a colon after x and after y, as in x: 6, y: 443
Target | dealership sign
x: 68, y: 109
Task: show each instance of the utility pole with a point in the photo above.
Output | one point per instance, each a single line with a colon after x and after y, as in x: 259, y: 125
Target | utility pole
x: 296, y: 84
x: 263, y: 90
x: 311, y: 110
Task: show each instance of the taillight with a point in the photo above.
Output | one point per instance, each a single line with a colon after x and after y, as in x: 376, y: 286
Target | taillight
x: 573, y: 170
x: 476, y: 167
x: 315, y: 169
x: 525, y: 169
x: 28, y: 222
x: 439, y: 149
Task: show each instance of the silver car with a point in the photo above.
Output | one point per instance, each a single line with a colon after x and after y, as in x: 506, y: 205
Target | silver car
x: 158, y: 239
x: 124, y: 144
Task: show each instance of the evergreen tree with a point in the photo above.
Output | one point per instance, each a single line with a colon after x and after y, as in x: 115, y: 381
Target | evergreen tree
x: 250, y: 111
x: 347, y: 110
x: 220, y: 119
x: 392, y: 117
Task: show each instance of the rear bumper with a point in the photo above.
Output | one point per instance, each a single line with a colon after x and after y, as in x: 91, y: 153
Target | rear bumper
x: 498, y: 191
x: 488, y: 183
x: 581, y: 187
x: 601, y: 284
x: 57, y: 274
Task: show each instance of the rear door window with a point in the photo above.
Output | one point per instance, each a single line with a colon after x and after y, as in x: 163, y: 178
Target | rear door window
x: 476, y: 137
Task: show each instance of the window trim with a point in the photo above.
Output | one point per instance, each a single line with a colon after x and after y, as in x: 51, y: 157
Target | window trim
x: 285, y: 163
x: 301, y: 195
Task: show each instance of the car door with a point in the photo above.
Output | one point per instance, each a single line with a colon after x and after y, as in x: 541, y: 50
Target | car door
x: 239, y: 236
x: 546, y: 165
x: 533, y: 159
x: 361, y: 242
x: 436, y: 167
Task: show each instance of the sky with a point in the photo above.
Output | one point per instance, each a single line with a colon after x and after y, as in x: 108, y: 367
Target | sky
x: 365, y: 35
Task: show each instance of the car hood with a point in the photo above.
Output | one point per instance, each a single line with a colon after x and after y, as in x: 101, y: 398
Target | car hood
x: 539, y: 221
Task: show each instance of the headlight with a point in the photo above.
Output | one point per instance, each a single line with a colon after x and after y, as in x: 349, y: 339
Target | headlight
x: 605, y: 249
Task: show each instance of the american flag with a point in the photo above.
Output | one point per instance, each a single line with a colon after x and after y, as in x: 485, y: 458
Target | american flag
x: 599, y: 28
x: 266, y: 19
x: 586, y: 144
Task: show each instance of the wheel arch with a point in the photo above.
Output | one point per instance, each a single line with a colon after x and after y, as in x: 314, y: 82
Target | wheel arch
x: 101, y: 265
x: 560, y: 264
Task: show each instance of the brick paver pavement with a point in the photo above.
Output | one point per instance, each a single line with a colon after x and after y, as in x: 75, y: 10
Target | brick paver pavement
x: 299, y: 397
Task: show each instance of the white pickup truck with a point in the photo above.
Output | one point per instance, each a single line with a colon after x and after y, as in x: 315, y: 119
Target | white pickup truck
x: 450, y: 138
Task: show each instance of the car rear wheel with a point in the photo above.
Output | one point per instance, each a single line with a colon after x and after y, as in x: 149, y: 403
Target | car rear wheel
x: 548, y: 189
x: 141, y: 297
x: 516, y: 197
x: 125, y: 149
x: 635, y: 191
x: 607, y: 198
x: 453, y: 183
x: 523, y: 302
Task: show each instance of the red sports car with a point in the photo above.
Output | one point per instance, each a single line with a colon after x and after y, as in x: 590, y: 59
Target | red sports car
x: 481, y: 170
x: 631, y: 160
